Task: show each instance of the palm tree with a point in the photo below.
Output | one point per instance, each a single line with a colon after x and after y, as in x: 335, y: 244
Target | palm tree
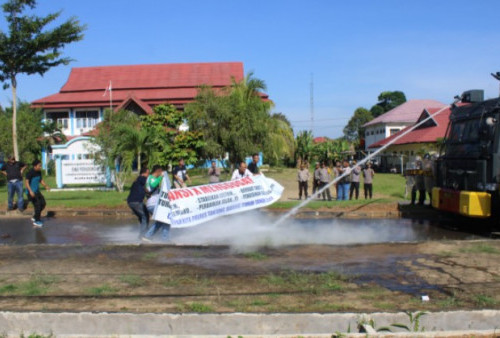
x: 280, y: 143
x: 134, y: 143
x: 304, y: 147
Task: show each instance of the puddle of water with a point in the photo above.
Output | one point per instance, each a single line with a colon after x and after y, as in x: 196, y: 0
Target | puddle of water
x: 244, y: 230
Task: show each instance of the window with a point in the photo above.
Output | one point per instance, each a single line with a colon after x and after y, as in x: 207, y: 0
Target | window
x: 60, y: 117
x: 86, y: 119
x: 393, y: 131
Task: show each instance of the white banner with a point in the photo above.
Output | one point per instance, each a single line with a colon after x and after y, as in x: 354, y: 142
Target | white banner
x: 194, y: 205
x: 82, y: 172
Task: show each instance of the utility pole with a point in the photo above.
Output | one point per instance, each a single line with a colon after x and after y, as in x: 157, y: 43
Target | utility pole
x: 311, y: 103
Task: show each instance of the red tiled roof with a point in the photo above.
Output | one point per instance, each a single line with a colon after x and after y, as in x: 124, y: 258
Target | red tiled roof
x: 170, y: 75
x: 422, y: 134
x: 139, y: 102
x: 152, y: 84
x: 407, y: 112
x: 320, y: 139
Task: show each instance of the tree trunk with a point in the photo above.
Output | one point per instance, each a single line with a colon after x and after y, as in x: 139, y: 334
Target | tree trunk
x: 139, y: 162
x: 14, y: 118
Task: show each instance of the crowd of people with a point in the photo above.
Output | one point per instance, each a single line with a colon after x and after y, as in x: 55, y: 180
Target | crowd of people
x: 145, y: 191
x: 16, y: 186
x: 347, y: 176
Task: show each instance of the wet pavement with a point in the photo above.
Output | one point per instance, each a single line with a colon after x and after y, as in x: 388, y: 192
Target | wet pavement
x: 254, y: 230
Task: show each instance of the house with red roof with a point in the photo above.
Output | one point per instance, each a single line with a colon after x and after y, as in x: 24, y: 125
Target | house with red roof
x: 395, y: 120
x: 81, y: 102
x: 423, y: 139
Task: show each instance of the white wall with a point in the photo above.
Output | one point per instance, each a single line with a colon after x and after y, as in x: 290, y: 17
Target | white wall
x: 380, y: 131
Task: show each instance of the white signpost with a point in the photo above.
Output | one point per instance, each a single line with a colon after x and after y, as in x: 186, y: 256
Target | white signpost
x: 82, y: 172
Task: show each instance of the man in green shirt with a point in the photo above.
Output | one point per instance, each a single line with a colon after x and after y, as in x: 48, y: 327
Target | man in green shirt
x: 153, y: 187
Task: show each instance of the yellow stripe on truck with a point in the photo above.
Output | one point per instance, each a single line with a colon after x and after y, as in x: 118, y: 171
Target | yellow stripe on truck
x: 475, y: 204
x: 435, y: 197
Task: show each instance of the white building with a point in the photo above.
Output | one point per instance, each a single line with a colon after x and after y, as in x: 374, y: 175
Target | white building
x: 395, y: 120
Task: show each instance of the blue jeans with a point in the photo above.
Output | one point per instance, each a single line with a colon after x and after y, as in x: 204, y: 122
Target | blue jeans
x: 165, y: 227
x: 142, y: 214
x: 15, y: 188
x: 343, y: 191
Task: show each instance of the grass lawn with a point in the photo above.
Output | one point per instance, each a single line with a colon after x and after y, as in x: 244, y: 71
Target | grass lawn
x: 387, y: 188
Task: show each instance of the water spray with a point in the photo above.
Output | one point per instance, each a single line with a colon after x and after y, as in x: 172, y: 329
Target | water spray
x: 363, y: 161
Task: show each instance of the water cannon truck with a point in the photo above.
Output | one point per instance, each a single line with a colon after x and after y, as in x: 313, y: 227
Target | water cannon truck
x: 468, y: 168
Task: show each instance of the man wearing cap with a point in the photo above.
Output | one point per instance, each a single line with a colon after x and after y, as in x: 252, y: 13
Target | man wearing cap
x: 14, y: 171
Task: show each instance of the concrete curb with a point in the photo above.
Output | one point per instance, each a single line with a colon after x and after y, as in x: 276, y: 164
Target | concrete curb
x: 483, y: 323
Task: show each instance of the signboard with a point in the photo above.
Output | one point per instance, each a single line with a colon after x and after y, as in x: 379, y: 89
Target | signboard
x: 82, y: 172
x: 194, y: 205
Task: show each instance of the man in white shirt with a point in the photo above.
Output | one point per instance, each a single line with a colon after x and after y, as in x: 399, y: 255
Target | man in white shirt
x: 241, y: 172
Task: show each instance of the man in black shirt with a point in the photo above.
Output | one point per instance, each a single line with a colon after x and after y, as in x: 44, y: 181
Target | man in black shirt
x: 252, y: 166
x: 135, y: 200
x: 14, y: 172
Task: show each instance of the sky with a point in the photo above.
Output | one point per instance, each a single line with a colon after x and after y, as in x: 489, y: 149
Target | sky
x: 350, y: 50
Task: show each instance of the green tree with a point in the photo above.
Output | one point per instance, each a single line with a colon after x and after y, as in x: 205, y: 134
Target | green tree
x: 108, y: 139
x: 234, y: 120
x: 354, y: 130
x: 30, y: 132
x: 332, y: 150
x: 304, y: 147
x: 28, y: 47
x: 376, y: 111
x: 135, y: 143
x: 166, y: 142
x: 388, y: 100
x: 210, y: 113
x: 280, y: 145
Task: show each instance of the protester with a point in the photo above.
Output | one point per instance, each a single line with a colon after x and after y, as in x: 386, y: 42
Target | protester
x: 135, y: 200
x: 180, y: 175
x: 32, y: 183
x: 153, y: 187
x: 324, y: 179
x: 13, y: 170
x: 241, y: 172
x: 213, y: 173
x: 316, y: 182
x: 303, y: 178
x: 252, y: 166
x: 344, y: 183
x: 419, y: 185
x: 355, y: 175
x: 368, y: 175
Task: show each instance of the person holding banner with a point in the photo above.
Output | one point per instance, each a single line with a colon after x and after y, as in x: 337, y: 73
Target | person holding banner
x: 135, y: 200
x: 180, y: 175
x: 241, y: 172
x: 252, y: 166
x: 153, y: 187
